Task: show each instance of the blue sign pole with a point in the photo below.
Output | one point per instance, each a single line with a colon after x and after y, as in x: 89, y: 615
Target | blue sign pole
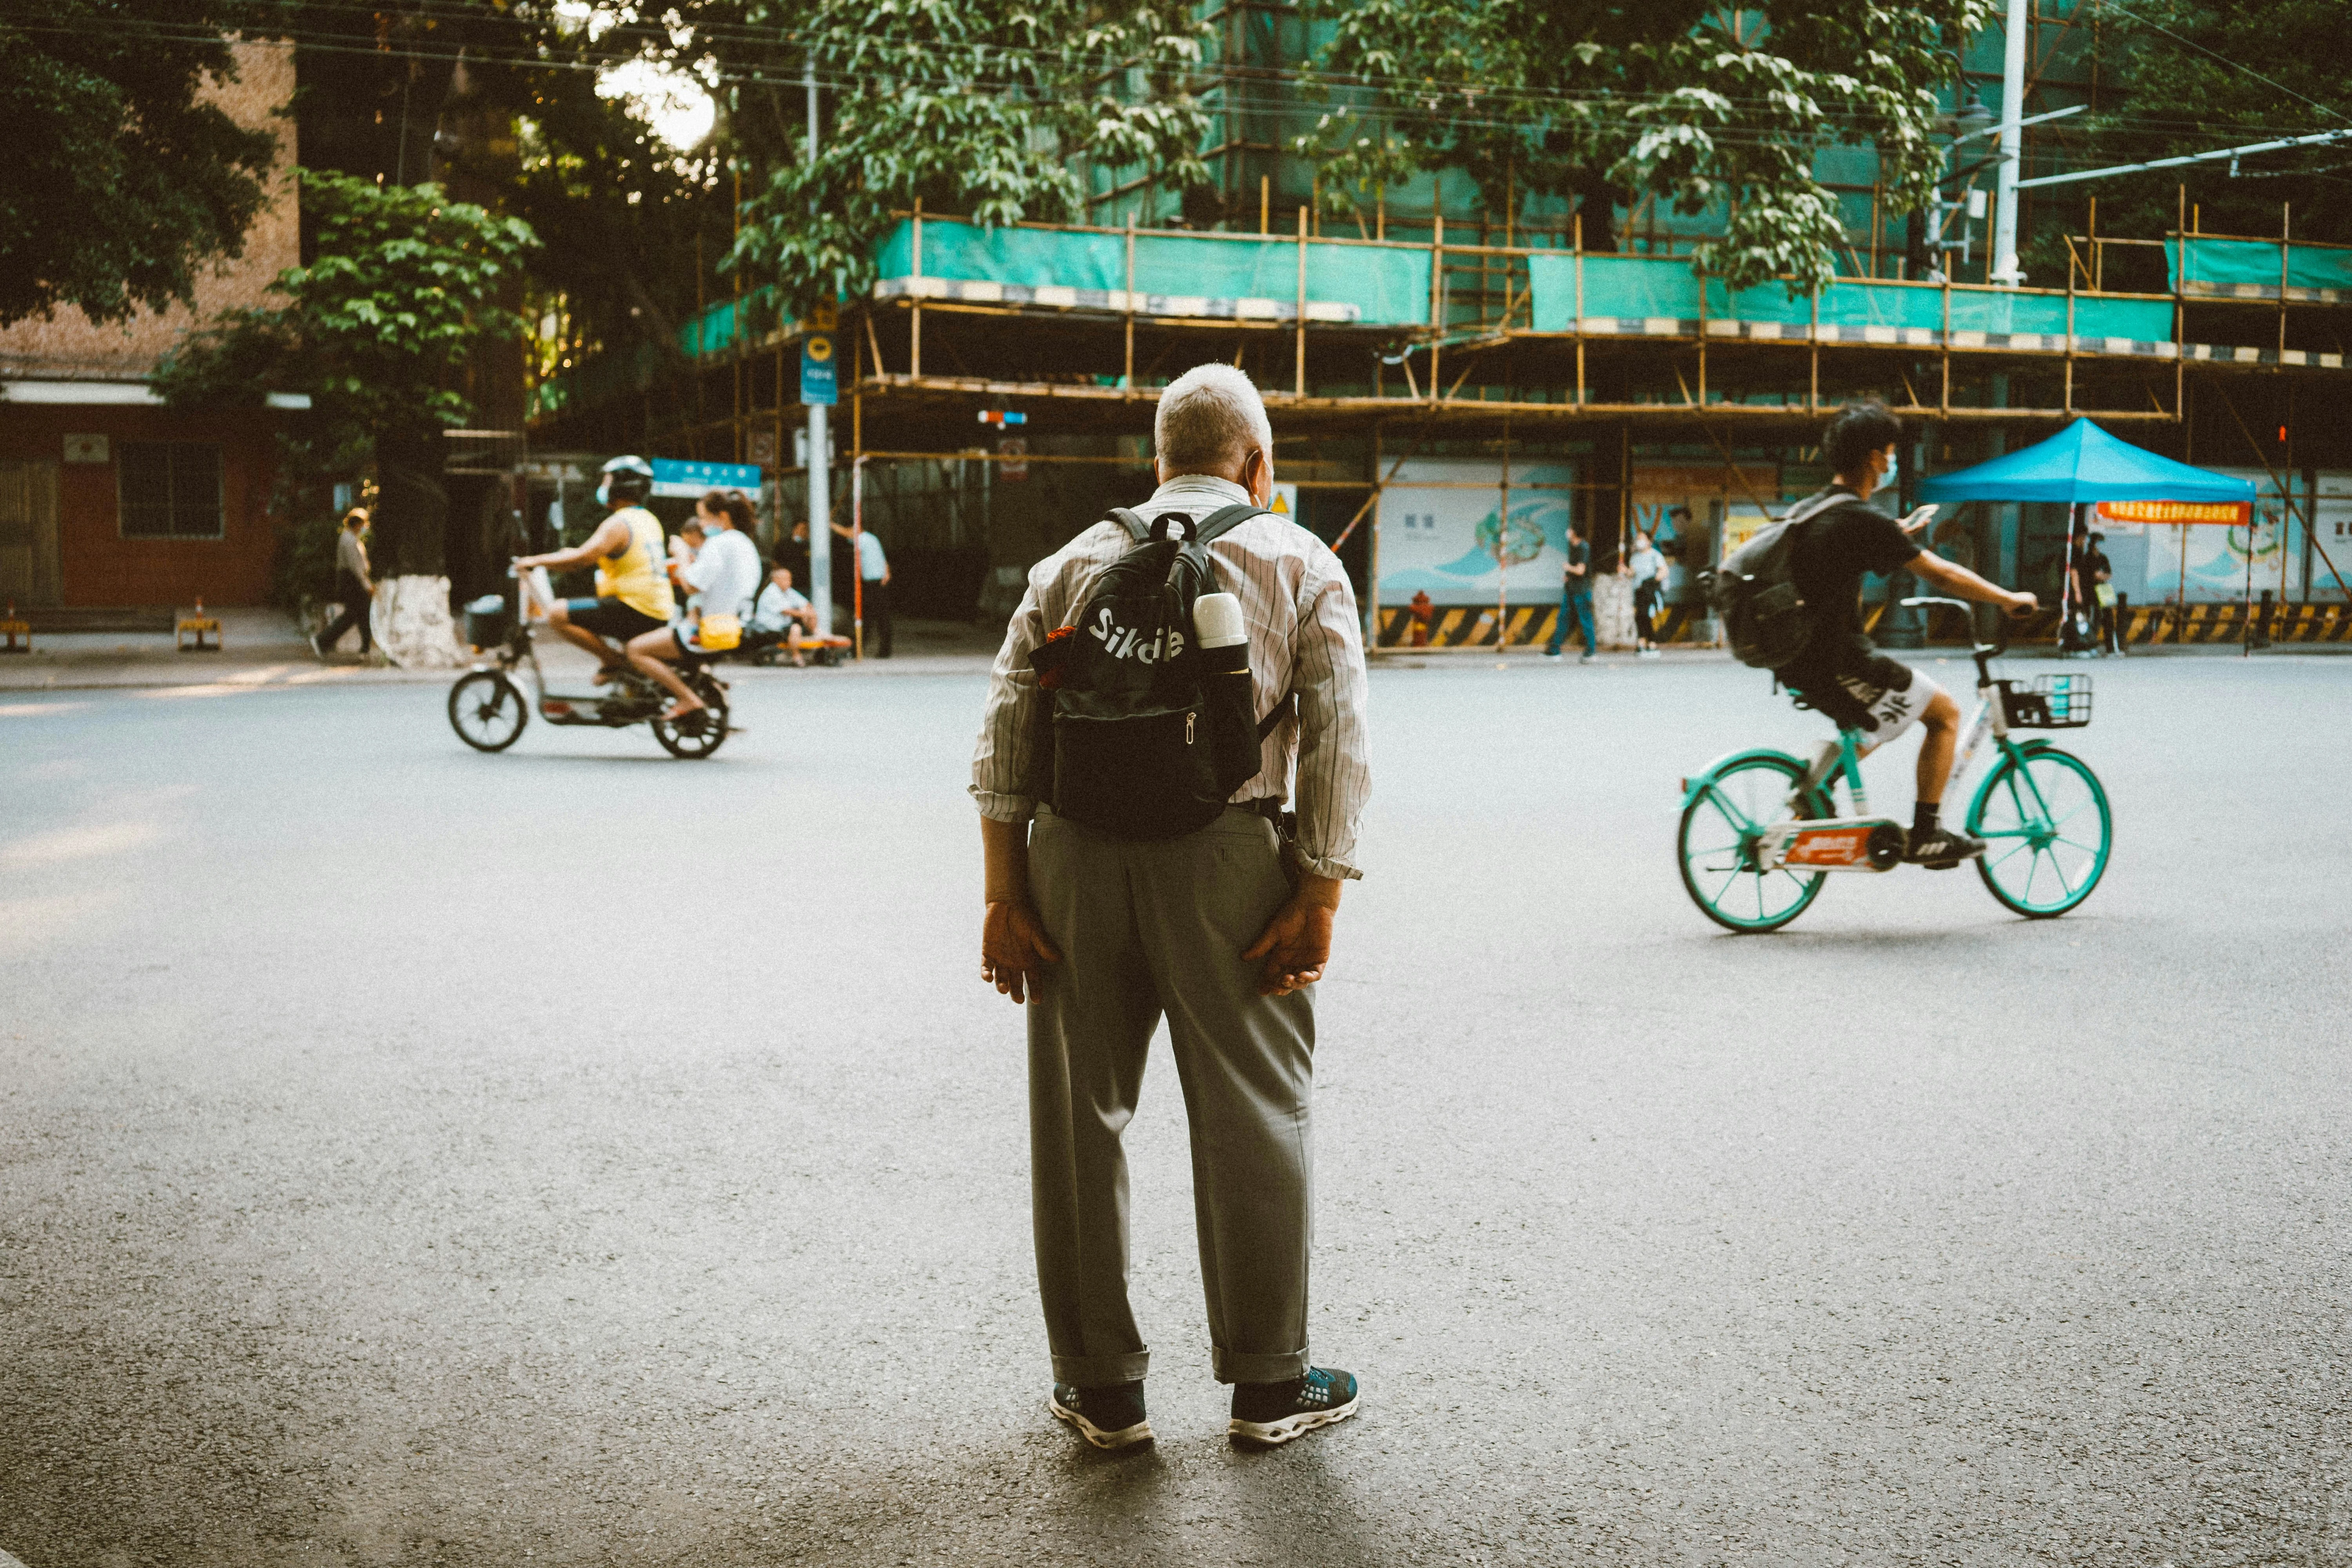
x: 820, y: 386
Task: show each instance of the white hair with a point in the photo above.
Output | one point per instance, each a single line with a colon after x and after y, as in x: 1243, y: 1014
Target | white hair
x: 1211, y: 418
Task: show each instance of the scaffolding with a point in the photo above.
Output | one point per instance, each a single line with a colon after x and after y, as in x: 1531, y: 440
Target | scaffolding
x: 1371, y: 351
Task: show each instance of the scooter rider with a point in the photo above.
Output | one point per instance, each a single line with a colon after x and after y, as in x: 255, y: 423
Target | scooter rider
x: 633, y: 594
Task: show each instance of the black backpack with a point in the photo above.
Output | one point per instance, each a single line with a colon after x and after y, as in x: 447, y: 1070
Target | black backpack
x: 1755, y: 591
x: 1149, y: 735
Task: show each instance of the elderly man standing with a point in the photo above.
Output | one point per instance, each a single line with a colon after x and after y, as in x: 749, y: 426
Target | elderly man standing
x: 1223, y: 931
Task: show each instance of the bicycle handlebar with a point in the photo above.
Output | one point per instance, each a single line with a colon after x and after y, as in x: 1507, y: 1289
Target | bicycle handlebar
x: 1983, y: 649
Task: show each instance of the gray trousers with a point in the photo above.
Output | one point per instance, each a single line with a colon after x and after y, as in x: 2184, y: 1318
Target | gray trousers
x: 1147, y: 928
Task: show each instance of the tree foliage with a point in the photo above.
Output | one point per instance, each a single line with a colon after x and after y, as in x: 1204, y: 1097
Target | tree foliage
x: 121, y: 182
x: 1703, y: 106
x: 622, y: 215
x: 401, y: 292
x: 402, y: 288
x: 991, y: 108
x: 2178, y: 76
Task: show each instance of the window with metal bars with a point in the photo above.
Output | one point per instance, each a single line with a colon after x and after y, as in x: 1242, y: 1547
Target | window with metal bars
x: 169, y: 489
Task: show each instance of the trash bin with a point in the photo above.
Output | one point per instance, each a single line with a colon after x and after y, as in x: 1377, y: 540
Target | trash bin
x: 486, y: 621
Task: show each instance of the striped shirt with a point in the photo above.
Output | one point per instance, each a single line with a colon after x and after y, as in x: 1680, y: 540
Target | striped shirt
x: 1303, y: 636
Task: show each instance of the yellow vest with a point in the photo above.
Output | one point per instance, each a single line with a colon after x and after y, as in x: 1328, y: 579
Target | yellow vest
x: 634, y: 577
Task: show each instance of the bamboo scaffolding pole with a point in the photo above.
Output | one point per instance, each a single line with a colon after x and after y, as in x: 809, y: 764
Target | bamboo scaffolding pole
x: 1503, y: 546
x: 1436, y: 299
x: 1298, y: 362
x: 1702, y: 339
x: 2285, y: 210
x: 1371, y: 609
x: 1580, y: 305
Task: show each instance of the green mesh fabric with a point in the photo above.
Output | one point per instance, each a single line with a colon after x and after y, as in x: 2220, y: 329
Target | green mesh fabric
x: 2233, y: 262
x: 1639, y: 287
x: 1388, y: 284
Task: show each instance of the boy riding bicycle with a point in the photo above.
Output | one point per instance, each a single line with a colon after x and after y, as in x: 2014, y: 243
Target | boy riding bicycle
x: 1841, y: 672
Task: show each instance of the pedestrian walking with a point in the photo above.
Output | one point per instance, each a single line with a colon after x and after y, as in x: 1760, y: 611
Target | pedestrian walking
x: 2094, y: 583
x: 874, y: 587
x: 1575, y: 598
x: 1221, y: 930
x: 1647, y: 567
x: 355, y: 587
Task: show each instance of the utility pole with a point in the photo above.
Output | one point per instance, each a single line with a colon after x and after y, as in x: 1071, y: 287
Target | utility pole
x: 2012, y: 149
x: 820, y: 503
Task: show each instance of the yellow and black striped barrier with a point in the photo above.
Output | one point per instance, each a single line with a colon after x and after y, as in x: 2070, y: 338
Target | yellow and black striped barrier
x: 2155, y: 625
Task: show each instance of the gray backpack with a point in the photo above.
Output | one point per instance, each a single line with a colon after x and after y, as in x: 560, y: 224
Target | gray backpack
x: 1755, y: 590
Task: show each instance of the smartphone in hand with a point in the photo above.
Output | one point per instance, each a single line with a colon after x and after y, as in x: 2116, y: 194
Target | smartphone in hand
x: 1919, y: 517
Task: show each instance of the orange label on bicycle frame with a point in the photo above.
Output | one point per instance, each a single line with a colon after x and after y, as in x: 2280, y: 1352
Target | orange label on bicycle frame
x: 1831, y: 846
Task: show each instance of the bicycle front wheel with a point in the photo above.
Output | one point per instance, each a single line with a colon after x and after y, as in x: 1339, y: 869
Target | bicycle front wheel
x: 488, y: 711
x: 1717, y: 845
x: 2047, y: 832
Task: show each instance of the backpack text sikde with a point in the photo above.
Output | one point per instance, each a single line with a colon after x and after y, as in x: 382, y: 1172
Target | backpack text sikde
x: 1149, y: 735
x: 1755, y: 591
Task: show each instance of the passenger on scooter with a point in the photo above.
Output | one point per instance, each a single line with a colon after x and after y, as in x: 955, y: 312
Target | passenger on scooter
x: 633, y: 595
x: 724, y: 575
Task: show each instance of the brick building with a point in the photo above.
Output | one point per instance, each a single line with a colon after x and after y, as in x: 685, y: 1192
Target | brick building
x: 107, y: 499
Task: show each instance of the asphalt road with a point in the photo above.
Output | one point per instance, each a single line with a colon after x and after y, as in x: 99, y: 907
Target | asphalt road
x: 580, y: 1157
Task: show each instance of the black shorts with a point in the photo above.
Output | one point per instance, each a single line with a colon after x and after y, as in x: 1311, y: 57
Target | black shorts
x: 1861, y: 688
x: 610, y: 618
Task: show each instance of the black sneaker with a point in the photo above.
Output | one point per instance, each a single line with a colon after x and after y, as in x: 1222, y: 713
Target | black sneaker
x: 1268, y: 1414
x: 1110, y: 1417
x: 1942, y: 849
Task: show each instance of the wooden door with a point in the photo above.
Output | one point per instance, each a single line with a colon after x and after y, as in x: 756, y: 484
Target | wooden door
x: 30, y: 570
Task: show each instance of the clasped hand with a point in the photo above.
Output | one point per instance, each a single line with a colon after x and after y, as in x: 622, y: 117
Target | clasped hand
x: 1293, y: 947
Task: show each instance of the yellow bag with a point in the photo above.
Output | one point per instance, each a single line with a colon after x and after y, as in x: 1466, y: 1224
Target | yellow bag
x: 2106, y: 592
x: 716, y: 634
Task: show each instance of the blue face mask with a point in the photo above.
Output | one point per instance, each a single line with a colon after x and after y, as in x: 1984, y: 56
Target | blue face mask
x: 605, y: 492
x: 1893, y: 473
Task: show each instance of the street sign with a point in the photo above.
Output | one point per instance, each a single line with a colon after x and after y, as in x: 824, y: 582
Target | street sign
x: 819, y: 384
x: 689, y: 480
x: 1003, y: 417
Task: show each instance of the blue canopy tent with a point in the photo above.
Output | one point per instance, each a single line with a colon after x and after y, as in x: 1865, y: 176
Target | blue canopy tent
x: 2080, y: 465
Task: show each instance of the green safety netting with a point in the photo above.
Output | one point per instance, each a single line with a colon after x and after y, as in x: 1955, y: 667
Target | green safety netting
x: 1638, y: 287
x: 1388, y: 284
x: 2231, y: 262
x: 716, y: 329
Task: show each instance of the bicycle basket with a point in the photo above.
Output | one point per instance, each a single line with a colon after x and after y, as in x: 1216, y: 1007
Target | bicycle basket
x: 2051, y: 702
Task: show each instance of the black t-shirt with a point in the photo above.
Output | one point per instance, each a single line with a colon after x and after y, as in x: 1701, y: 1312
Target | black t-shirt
x: 2086, y: 574
x: 1840, y: 544
x: 1578, y: 554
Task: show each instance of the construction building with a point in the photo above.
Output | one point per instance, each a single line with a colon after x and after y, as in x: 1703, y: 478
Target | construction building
x: 1450, y: 387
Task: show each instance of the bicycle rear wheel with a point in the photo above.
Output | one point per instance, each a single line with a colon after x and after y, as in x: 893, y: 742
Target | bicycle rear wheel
x: 697, y: 734
x: 1717, y: 845
x: 2047, y: 832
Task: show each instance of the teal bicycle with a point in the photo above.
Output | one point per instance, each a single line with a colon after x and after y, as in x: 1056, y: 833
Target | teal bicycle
x: 1760, y: 829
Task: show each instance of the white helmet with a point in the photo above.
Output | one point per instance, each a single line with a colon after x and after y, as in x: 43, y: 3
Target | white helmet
x: 630, y: 477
